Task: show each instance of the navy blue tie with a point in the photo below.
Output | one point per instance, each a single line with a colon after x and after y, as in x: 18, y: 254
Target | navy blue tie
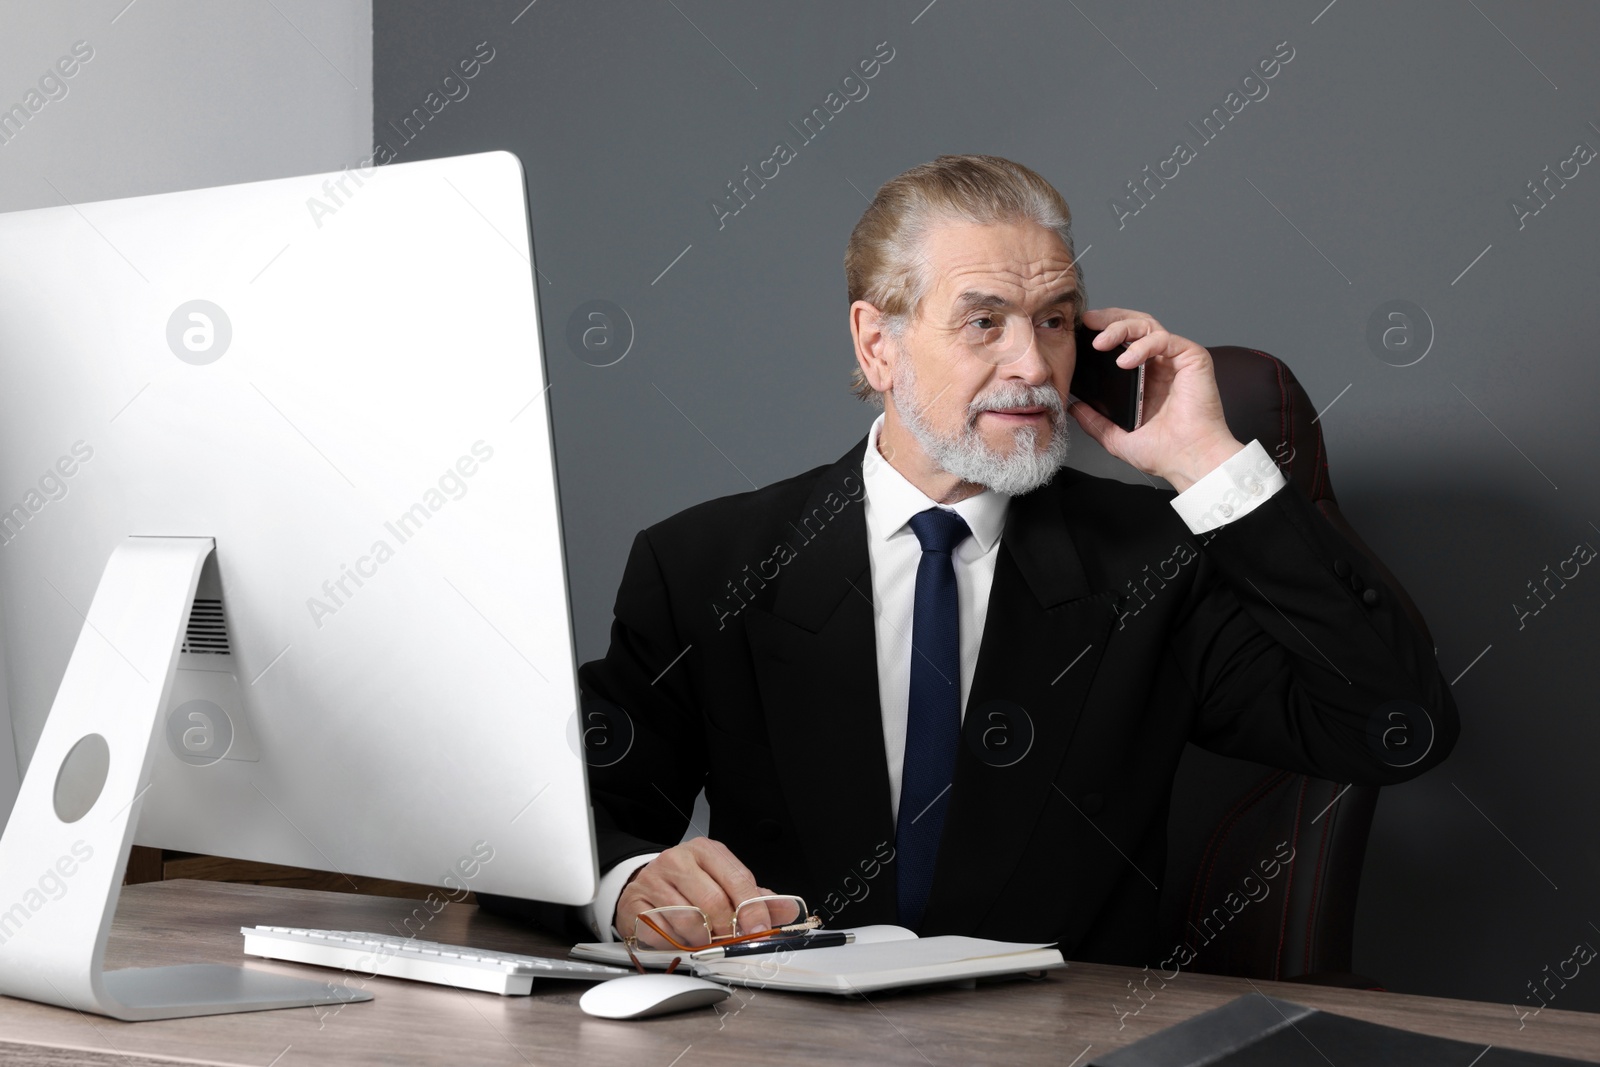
x: 933, y: 720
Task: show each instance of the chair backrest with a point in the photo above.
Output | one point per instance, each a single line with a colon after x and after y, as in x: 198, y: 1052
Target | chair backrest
x: 1263, y: 865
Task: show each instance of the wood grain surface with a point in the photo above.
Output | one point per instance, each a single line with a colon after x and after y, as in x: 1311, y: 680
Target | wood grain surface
x: 1054, y: 1021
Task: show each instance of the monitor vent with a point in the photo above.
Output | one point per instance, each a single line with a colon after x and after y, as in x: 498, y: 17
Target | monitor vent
x: 207, y: 633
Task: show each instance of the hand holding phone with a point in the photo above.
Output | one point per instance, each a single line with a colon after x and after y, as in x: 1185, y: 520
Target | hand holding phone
x: 1112, y: 391
x: 1184, y: 434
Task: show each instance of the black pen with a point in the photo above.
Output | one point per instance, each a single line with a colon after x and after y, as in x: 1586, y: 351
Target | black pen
x: 823, y: 939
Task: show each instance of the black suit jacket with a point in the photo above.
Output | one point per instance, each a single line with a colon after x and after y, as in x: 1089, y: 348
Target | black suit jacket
x: 743, y: 660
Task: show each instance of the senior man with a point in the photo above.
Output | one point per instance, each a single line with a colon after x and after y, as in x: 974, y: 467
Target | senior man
x: 830, y: 656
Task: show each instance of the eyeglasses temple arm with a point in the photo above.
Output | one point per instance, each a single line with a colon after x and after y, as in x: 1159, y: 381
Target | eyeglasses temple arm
x: 663, y: 934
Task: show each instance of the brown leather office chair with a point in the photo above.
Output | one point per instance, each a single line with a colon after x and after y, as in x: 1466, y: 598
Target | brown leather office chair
x: 1229, y: 815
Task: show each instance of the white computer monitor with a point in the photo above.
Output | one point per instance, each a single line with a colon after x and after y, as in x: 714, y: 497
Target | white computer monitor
x: 320, y: 404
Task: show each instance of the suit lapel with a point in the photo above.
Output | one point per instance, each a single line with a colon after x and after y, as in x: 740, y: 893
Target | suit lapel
x: 816, y: 667
x: 1044, y: 637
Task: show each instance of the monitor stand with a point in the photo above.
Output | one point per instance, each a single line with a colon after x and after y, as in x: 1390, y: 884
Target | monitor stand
x: 66, y: 846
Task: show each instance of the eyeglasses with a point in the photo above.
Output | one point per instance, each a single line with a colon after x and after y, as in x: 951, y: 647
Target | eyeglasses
x: 767, y: 916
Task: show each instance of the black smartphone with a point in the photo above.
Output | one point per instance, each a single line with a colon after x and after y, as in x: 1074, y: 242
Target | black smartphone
x: 1116, y: 393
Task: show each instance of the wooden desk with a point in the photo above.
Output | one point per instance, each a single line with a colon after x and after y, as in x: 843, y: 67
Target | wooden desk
x: 409, y: 1022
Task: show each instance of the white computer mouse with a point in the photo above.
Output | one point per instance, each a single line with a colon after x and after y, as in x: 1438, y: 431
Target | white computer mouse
x: 639, y: 996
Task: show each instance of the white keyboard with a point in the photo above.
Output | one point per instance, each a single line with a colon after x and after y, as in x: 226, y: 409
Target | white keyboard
x: 365, y: 954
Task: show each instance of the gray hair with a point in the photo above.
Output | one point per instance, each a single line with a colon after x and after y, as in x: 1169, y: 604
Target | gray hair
x: 884, y: 262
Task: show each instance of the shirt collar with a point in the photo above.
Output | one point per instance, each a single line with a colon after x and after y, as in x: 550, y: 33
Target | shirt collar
x: 892, y: 500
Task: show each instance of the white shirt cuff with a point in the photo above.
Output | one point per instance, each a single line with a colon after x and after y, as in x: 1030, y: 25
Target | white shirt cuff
x: 1237, y: 486
x: 598, y: 914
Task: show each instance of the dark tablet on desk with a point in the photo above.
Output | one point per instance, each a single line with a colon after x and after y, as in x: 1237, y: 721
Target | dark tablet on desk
x: 1261, y: 1031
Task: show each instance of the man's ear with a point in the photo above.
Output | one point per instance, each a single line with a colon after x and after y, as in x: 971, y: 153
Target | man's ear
x: 874, y: 349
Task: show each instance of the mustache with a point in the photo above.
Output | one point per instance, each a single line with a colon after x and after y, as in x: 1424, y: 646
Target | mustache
x: 1006, y: 399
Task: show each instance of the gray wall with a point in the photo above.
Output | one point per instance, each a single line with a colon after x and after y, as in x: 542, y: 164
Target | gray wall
x: 1378, y: 167
x: 176, y: 94
x: 181, y: 94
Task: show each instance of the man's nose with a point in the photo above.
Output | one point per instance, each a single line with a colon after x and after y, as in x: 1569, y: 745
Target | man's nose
x: 1017, y: 354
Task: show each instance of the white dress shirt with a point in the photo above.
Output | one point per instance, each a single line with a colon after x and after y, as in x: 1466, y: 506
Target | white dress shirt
x: 895, y: 553
x: 1228, y: 493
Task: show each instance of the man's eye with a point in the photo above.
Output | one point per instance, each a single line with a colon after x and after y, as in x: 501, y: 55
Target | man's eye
x: 1055, y: 321
x: 980, y: 320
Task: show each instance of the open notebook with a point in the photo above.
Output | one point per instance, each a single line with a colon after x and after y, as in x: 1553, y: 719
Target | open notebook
x: 882, y: 957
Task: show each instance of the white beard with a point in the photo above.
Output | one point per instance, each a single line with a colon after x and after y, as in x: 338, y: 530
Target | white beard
x: 968, y: 456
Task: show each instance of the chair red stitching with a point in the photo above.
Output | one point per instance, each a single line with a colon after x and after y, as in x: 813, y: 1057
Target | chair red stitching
x: 1286, y: 424
x: 1319, y: 471
x: 1316, y: 879
x: 1224, y: 826
x: 1288, y: 886
x: 1261, y: 789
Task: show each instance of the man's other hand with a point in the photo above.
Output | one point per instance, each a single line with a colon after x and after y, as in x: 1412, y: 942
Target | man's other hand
x: 703, y: 873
